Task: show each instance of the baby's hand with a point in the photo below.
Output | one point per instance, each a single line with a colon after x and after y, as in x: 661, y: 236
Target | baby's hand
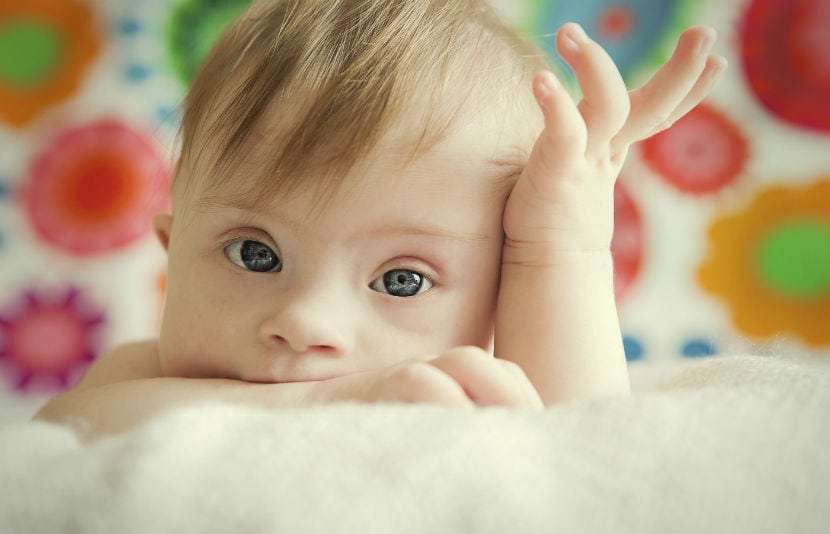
x: 462, y: 377
x: 563, y: 201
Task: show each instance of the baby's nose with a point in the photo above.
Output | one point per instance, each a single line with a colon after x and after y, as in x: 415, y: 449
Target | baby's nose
x: 308, y: 325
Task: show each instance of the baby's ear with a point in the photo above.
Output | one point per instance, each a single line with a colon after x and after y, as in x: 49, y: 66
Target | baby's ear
x: 162, y: 223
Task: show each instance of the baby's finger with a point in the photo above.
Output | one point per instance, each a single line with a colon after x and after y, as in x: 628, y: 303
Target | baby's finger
x: 531, y: 395
x: 714, y: 66
x: 561, y: 145
x: 676, y: 84
x: 420, y: 382
x: 604, y: 106
x: 486, y: 382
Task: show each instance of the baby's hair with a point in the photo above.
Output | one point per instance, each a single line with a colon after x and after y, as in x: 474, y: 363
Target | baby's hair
x: 336, y: 76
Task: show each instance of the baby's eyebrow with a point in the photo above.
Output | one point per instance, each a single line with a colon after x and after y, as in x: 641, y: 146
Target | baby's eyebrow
x: 388, y: 230
x: 502, y: 173
x: 508, y: 166
x: 430, y: 231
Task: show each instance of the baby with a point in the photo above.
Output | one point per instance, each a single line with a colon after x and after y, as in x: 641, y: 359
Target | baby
x: 374, y: 199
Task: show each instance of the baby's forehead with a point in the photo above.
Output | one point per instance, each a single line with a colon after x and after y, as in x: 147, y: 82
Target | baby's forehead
x: 449, y: 170
x: 484, y: 147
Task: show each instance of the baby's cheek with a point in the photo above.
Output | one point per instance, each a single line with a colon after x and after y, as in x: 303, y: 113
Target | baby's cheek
x: 477, y: 330
x: 188, y: 344
x: 446, y: 321
x: 476, y: 309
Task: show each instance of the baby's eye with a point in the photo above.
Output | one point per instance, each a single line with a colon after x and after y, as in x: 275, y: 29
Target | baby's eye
x: 401, y: 283
x: 253, y: 256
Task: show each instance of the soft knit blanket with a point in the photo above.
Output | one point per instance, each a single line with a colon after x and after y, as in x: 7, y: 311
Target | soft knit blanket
x: 729, y: 444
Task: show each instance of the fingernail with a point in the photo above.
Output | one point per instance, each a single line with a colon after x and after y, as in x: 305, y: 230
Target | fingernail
x: 706, y: 43
x: 549, y: 81
x: 573, y: 36
x: 578, y: 33
x: 719, y: 66
x: 546, y: 86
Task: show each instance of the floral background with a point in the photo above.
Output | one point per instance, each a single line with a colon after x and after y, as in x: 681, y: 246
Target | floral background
x: 723, y: 221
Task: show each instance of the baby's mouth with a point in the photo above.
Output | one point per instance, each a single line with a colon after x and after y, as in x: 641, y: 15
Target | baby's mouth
x: 299, y: 369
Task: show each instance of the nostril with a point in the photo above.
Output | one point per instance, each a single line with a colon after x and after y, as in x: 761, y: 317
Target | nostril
x: 320, y: 349
x: 323, y: 349
x: 296, y: 330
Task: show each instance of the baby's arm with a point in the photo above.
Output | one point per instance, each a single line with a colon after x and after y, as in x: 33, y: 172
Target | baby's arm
x: 126, y: 387
x: 556, y: 314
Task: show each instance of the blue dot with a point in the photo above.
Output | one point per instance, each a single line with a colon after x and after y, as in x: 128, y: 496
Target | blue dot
x: 698, y: 348
x: 3, y: 189
x: 129, y: 27
x: 652, y: 20
x: 633, y: 349
x: 137, y: 73
x: 166, y: 114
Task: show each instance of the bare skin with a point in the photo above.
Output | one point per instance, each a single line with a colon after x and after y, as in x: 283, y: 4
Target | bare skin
x: 304, y: 337
x: 559, y: 218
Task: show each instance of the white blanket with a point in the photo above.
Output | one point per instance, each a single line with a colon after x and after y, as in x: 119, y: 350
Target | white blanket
x: 728, y: 444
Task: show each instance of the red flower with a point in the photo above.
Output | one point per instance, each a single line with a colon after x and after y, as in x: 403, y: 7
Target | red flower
x: 701, y: 153
x: 96, y: 188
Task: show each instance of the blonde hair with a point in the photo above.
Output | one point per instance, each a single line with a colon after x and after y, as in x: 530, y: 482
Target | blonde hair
x: 334, y: 77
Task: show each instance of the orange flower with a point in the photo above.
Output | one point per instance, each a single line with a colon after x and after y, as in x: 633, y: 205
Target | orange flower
x: 45, y: 47
x: 771, y: 263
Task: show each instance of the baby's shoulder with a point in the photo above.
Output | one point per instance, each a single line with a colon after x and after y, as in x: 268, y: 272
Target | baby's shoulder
x: 131, y: 361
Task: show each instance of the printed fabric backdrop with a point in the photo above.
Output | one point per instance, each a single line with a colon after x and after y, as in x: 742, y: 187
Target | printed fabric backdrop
x: 723, y: 221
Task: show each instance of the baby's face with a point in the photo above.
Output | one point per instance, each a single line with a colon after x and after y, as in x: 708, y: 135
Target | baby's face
x: 403, y: 263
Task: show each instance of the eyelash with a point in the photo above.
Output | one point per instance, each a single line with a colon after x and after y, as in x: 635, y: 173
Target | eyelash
x: 428, y: 279
x: 240, y: 240
x: 425, y: 282
x: 413, y: 264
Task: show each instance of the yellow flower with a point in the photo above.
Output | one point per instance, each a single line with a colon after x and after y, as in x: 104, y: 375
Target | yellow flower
x: 771, y: 263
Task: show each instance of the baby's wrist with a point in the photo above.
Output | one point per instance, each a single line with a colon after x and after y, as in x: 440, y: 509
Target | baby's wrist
x: 545, y: 254
x: 567, y: 226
